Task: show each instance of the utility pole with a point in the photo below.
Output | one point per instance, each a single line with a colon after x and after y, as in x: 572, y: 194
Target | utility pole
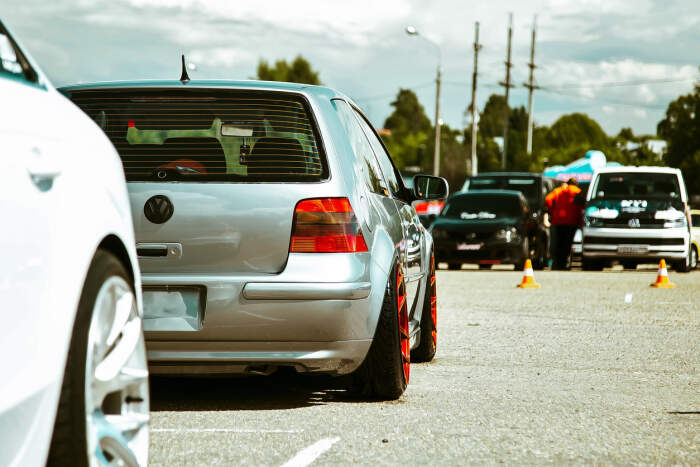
x: 436, y: 156
x: 507, y: 85
x: 531, y: 86
x: 477, y: 47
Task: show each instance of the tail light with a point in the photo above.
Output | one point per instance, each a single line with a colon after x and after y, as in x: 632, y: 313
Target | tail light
x: 326, y: 225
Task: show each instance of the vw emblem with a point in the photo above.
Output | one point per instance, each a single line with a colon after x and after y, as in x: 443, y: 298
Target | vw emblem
x: 634, y: 223
x: 158, y: 209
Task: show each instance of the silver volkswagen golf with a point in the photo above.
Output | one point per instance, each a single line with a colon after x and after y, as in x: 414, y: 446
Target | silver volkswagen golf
x: 272, y: 230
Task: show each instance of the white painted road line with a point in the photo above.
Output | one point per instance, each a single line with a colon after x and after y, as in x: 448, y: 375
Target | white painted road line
x: 218, y: 430
x: 309, y: 454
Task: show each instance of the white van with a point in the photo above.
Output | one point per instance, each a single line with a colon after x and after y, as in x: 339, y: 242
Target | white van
x: 637, y: 215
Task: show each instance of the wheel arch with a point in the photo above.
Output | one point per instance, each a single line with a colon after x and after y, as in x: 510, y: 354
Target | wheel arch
x: 113, y: 244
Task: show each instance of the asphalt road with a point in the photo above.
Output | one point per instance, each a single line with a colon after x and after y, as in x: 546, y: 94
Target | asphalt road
x: 579, y: 371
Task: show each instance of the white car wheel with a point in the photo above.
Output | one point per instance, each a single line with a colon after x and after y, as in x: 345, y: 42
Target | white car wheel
x: 116, y: 379
x: 103, y: 411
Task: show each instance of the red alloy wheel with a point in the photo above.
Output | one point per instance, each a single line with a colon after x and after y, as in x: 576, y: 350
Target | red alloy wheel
x: 433, y: 298
x: 402, y: 309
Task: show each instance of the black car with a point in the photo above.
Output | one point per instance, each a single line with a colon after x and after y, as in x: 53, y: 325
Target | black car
x: 483, y: 227
x: 534, y: 188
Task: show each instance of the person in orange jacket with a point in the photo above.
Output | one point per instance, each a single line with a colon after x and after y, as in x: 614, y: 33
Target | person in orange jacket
x: 565, y: 215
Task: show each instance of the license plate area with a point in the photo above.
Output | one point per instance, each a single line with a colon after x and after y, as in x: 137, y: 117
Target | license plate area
x: 463, y: 246
x: 633, y: 249
x: 173, y: 308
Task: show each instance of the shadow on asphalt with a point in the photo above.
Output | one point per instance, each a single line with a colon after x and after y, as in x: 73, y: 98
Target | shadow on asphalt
x: 281, y: 390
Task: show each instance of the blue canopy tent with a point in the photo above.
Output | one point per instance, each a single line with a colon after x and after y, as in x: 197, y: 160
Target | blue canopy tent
x: 580, y: 169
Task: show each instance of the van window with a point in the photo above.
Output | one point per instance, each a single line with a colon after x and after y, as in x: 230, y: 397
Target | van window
x: 208, y: 135
x: 696, y: 220
x: 637, y: 185
x: 528, y: 186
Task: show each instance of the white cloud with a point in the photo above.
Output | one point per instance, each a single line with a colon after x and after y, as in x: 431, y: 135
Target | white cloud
x: 360, y: 47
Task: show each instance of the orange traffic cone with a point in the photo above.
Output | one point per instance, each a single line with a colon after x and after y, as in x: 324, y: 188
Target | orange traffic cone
x: 528, y: 277
x: 662, y: 281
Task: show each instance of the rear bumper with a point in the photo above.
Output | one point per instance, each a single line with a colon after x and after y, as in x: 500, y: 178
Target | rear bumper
x: 191, y: 358
x: 291, y: 318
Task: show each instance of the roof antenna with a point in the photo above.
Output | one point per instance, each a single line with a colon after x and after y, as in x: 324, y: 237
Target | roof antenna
x: 184, y: 77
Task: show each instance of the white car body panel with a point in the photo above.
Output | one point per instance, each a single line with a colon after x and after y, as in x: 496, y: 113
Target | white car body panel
x: 48, y: 239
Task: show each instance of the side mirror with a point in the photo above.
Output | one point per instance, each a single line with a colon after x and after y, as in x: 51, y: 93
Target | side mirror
x: 428, y: 187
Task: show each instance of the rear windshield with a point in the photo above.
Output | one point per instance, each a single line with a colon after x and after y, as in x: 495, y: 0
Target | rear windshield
x: 637, y: 185
x: 208, y: 135
x: 525, y: 185
x: 482, y: 207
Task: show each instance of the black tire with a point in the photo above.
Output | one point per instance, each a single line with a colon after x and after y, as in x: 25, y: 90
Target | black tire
x: 69, y: 443
x: 629, y: 264
x: 520, y: 264
x: 540, y: 260
x: 484, y: 266
x: 591, y: 264
x: 427, y: 345
x: 454, y: 266
x: 683, y: 265
x: 693, y: 258
x: 381, y: 375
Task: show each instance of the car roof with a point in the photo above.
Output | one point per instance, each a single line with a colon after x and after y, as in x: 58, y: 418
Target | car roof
x: 640, y: 168
x: 254, y: 85
x: 506, y: 193
x: 507, y: 174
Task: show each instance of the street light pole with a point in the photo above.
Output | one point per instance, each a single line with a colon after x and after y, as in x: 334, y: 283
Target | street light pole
x: 436, y: 156
x: 412, y: 31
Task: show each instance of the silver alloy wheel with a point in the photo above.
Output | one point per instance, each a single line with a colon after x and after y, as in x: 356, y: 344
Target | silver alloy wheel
x: 116, y: 379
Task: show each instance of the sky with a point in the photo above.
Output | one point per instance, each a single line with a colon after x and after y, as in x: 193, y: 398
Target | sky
x: 619, y: 61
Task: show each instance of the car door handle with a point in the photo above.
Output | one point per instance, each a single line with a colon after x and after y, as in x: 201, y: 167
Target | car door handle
x: 42, y: 170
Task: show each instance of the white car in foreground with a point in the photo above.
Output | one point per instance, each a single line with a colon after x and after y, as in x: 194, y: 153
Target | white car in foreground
x: 74, y: 384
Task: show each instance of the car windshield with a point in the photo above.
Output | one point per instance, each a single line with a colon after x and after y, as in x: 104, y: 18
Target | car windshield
x: 482, y: 207
x: 528, y: 186
x: 208, y: 135
x: 637, y: 185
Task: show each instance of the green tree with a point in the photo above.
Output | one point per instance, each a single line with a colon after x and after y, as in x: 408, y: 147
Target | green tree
x: 491, y: 118
x: 491, y: 127
x: 298, y: 71
x: 569, y: 138
x: 626, y: 134
x: 576, y: 128
x: 410, y: 132
x: 681, y: 130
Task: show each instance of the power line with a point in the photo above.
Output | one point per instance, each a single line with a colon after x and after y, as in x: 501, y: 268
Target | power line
x: 602, y: 100
x: 619, y: 83
x: 393, y: 94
